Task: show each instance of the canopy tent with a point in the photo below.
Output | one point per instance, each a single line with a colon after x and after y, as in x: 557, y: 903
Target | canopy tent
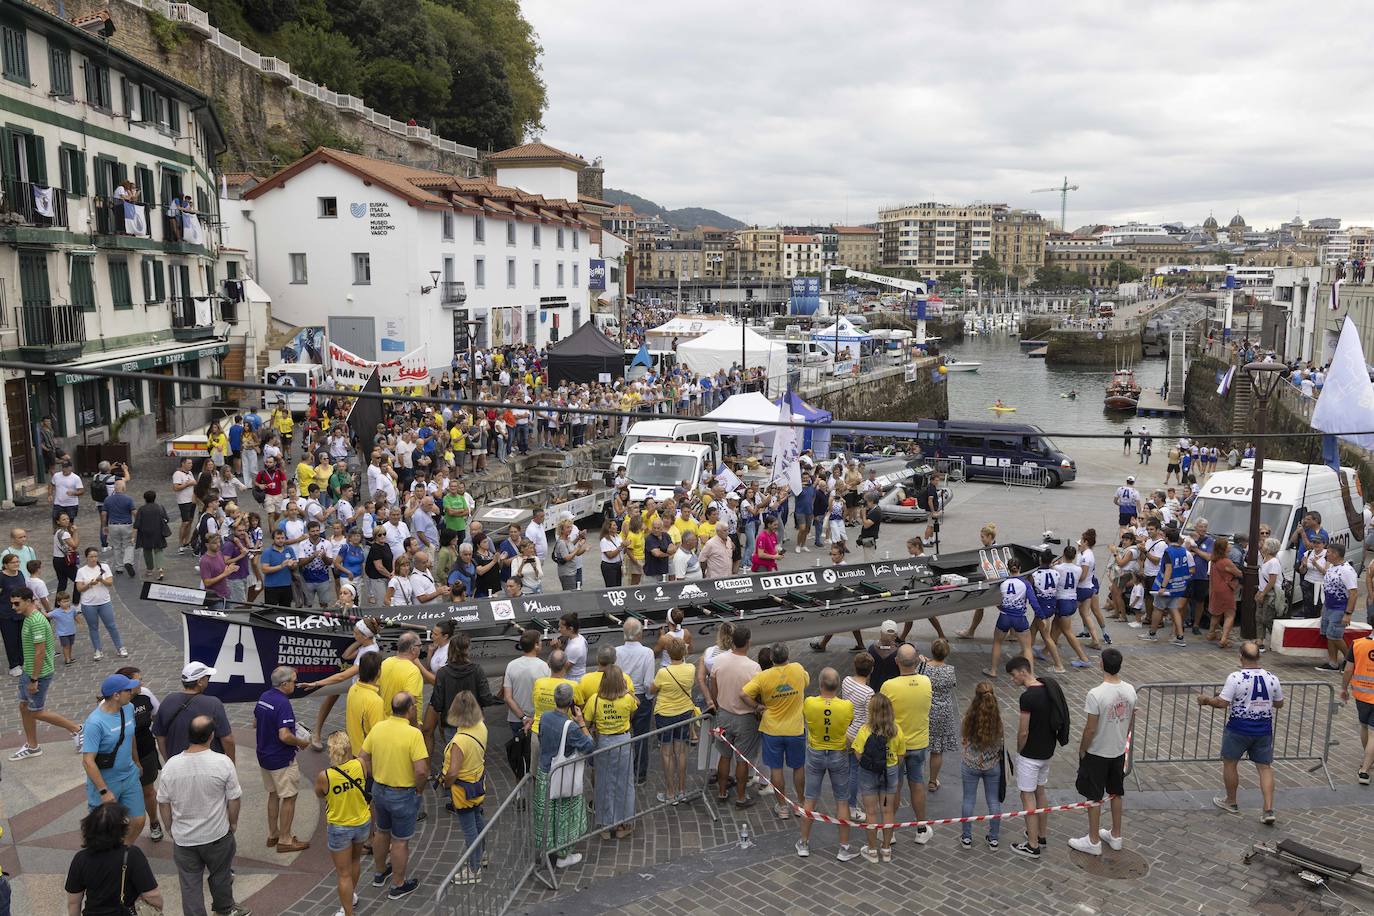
x: 843, y: 337
x: 585, y: 355
x: 722, y: 348
x: 748, y: 414
x: 682, y: 328
x: 816, y: 439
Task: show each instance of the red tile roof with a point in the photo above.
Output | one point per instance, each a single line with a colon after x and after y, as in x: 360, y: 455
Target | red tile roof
x: 536, y: 152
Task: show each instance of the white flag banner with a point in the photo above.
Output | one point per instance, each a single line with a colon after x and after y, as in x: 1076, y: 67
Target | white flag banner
x: 1346, y: 404
x: 1226, y: 380
x: 351, y: 369
x: 135, y: 223
x: 42, y: 201
x: 190, y: 229
x: 727, y: 479
x: 786, y: 449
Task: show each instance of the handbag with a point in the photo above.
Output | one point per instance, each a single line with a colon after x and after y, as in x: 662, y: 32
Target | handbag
x: 566, y: 771
x: 107, y: 760
x: 166, y: 525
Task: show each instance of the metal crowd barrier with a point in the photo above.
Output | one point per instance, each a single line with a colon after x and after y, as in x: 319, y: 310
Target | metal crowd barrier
x: 1026, y: 475
x: 1170, y: 726
x: 511, y: 854
x: 952, y: 468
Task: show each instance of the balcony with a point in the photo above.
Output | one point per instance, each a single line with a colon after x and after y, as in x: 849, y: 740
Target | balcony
x: 24, y: 202
x: 122, y: 217
x: 351, y: 105
x: 192, y: 320
x: 228, y: 311
x: 452, y: 293
x: 189, y: 17
x: 50, y: 333
x: 275, y: 69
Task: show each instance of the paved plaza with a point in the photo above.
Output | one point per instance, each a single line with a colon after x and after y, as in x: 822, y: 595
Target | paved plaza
x: 1181, y: 854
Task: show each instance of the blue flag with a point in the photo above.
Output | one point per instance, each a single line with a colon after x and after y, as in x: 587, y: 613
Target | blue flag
x: 642, y: 357
x: 1331, y: 453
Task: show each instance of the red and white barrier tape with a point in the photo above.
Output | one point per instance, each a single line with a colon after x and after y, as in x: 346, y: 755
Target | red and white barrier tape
x: 830, y: 819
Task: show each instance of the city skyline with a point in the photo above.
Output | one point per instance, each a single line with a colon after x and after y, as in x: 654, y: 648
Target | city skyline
x: 778, y: 116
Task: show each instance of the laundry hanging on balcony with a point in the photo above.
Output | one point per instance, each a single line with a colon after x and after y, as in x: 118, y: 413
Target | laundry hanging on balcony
x: 135, y: 223
x: 205, y: 313
x: 42, y: 201
x: 190, y: 229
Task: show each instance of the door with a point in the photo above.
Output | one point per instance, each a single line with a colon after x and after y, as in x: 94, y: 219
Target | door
x: 17, y: 409
x: 164, y: 405
x: 357, y: 335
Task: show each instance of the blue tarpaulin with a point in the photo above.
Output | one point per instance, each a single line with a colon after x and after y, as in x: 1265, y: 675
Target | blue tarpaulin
x: 818, y: 440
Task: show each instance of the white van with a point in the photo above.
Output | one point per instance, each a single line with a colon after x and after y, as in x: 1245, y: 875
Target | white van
x: 1290, y: 491
x: 668, y: 431
x: 301, y: 377
x: 655, y: 468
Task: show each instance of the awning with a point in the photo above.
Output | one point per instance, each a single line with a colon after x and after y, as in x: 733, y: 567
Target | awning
x: 138, y: 361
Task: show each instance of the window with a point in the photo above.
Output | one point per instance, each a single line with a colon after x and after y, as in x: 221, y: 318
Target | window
x: 531, y: 326
x: 82, y: 284
x: 188, y: 388
x: 559, y: 240
x: 298, y: 274
x: 560, y: 273
x: 510, y: 273
x: 60, y: 71
x: 536, y: 274
x: 328, y: 207
x: 362, y: 268
x: 231, y: 270
x: 98, y: 86
x: 577, y: 240
x: 15, y: 53
x: 143, y: 178
x: 510, y: 232
x: 154, y: 280
x: 120, y: 293
x: 479, y: 228
x: 72, y: 164
x: 446, y: 220
x: 575, y: 276
x: 479, y: 273
x: 92, y: 408
x: 534, y: 236
x: 614, y: 274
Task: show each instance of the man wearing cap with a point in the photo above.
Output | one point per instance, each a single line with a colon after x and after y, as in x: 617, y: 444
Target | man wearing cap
x: 109, y: 730
x: 1127, y: 502
x: 172, y: 721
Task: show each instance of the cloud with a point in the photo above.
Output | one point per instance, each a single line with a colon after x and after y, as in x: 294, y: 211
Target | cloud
x: 808, y: 112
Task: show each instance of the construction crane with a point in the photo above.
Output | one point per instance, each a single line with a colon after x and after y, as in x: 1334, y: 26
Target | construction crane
x: 1063, y: 192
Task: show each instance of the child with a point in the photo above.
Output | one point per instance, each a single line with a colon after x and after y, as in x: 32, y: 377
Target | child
x: 63, y: 618
x: 1137, y: 601
x: 36, y: 584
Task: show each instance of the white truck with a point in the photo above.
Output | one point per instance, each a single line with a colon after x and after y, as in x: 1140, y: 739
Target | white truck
x: 656, y: 468
x: 301, y: 377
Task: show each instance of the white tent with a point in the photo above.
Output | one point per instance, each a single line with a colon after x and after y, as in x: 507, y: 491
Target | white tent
x: 746, y: 414
x: 681, y: 328
x: 721, y: 349
x: 842, y: 336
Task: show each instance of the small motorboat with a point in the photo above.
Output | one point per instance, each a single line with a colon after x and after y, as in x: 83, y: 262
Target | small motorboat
x: 1122, y: 402
x: 1123, y: 392
x: 959, y: 365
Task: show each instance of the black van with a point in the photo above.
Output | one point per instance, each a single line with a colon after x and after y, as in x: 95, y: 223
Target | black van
x: 988, y: 448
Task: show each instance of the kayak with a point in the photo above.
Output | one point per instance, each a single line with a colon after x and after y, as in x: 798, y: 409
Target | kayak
x: 996, y: 409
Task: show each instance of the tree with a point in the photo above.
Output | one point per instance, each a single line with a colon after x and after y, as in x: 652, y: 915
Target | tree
x: 951, y: 278
x: 409, y: 91
x: 1051, y: 276
x: 1118, y: 271
x: 269, y: 15
x: 987, y: 269
x: 324, y: 57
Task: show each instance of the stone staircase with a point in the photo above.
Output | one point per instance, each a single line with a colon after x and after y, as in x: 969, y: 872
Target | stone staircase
x: 1242, y: 402
x: 1180, y: 341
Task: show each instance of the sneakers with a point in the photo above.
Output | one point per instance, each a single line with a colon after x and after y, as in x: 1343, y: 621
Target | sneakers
x: 1228, y: 807
x: 803, y: 848
x: 923, y: 835
x: 1079, y: 663
x: 846, y: 854
x: 237, y: 910
x: 129, y: 570
x: 1178, y: 642
x: 98, y: 655
x: 25, y: 752
x: 1112, y: 841
x: 79, y: 737
x: 155, y: 833
x: 885, y: 854
x: 402, y: 890
x: 1326, y: 666
x: 123, y: 652
x: 379, y: 877
x: 1134, y: 624
x: 1268, y: 818
x: 783, y: 812
x: 1084, y: 634
x: 816, y: 646
x: 569, y: 861
x: 1148, y: 635
x: 464, y: 875
x: 1026, y: 849
x: 992, y: 841
x: 870, y: 854
x: 1086, y: 845
x: 16, y: 671
x: 1363, y: 777
x: 966, y: 842
x: 856, y: 814
x: 1106, y: 637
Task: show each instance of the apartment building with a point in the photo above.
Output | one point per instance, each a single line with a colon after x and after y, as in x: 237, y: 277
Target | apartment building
x: 801, y: 254
x: 1018, y: 240
x: 857, y: 247
x: 932, y: 238
x: 760, y: 252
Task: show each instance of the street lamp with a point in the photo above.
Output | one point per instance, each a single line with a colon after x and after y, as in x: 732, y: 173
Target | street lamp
x: 1264, y: 377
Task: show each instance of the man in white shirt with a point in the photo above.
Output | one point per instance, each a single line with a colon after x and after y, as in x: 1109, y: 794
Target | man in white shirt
x: 422, y: 580
x: 684, y: 564
x: 535, y: 533
x: 65, y: 491
x: 396, y: 532
x: 1102, y: 752
x: 421, y: 518
x: 293, y: 525
x: 637, y: 661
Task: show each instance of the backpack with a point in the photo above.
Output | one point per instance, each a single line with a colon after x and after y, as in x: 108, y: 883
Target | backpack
x: 100, y: 486
x: 1059, y: 710
x: 874, y: 757
x: 198, y: 535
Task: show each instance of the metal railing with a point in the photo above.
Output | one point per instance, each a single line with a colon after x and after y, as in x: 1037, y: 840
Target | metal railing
x: 1026, y: 475
x: 509, y: 852
x: 452, y: 292
x: 4, y: 304
x: 184, y: 314
x: 20, y: 200
x: 1170, y: 726
x: 50, y: 326
x: 111, y: 217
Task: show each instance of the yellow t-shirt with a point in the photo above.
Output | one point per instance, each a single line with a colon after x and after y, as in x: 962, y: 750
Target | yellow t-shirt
x: 283, y: 423
x: 827, y: 722
x: 910, y: 696
x: 681, y: 526
x: 394, y: 745
x: 633, y: 544
x: 674, y: 686
x: 456, y: 440
x: 472, y: 742
x: 610, y: 717
x: 305, y: 476
x: 781, y: 690
x: 542, y: 695
x: 218, y: 444
x: 590, y: 684
x: 896, y: 746
x: 400, y: 674
x: 362, y: 710
x: 345, y: 804
x: 705, y: 531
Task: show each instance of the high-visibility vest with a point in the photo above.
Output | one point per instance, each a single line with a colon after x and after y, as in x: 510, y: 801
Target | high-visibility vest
x: 1362, y: 683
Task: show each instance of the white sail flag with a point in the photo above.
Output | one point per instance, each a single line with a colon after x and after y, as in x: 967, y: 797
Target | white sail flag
x: 1225, y: 385
x: 786, y: 449
x: 1346, y: 404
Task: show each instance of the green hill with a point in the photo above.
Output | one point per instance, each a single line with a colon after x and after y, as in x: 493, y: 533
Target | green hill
x: 681, y: 218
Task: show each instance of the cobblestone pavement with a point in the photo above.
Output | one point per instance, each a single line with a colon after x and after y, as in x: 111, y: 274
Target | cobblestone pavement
x: 1181, y: 853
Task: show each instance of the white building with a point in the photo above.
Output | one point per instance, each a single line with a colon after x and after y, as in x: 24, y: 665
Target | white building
x: 390, y: 259
x: 801, y: 254
x: 93, y: 274
x: 1297, y: 289
x: 1128, y: 232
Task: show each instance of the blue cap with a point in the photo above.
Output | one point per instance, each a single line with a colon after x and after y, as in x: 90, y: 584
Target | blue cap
x: 115, y: 683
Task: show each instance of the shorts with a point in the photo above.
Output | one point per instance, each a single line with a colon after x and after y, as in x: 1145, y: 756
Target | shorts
x: 273, y: 503
x: 676, y: 731
x: 124, y: 787
x: 1165, y: 602
x: 396, y: 808
x: 1066, y: 607
x: 1098, y: 776
x: 1008, y: 622
x: 914, y: 764
x: 851, y: 499
x: 188, y: 510
x: 71, y: 511
x: 1047, y: 609
x: 152, y: 766
x: 67, y: 640
x: 1332, y: 625
x: 1170, y: 467
x: 1085, y: 594
x: 633, y: 567
x: 1123, y: 518
x: 283, y: 783
x: 1259, y: 748
x: 34, y: 701
x: 818, y: 764
x: 1031, y: 774
x: 341, y: 838
x: 1198, y: 590
x: 740, y: 730
x: 1366, y: 713
x: 803, y: 519
x: 784, y: 751
x: 884, y: 783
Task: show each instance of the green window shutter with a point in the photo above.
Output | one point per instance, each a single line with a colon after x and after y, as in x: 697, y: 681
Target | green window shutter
x: 38, y: 174
x: 159, y: 281
x: 144, y: 178
x: 174, y: 115
x: 147, y: 105
x: 120, y: 292
x: 78, y: 169
x: 64, y: 161
x: 33, y: 278
x: 60, y: 70
x: 102, y: 177
x: 145, y: 270
x: 15, y: 53
x: 83, y: 284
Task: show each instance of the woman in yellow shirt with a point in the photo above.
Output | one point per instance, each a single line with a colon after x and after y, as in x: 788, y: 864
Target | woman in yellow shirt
x: 305, y: 476
x: 284, y: 425
x: 465, y: 771
x: 349, y: 819
x: 216, y: 444
x: 632, y: 548
x: 609, y: 713
x: 672, y: 693
x: 880, y: 786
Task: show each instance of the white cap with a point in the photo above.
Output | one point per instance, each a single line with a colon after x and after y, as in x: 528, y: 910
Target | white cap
x: 889, y: 626
x: 196, y: 670
x: 1130, y: 479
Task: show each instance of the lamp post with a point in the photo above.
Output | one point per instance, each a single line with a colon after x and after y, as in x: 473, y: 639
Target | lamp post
x: 1264, y: 377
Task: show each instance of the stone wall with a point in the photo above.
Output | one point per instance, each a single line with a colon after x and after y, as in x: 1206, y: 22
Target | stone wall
x: 1105, y: 349
x: 255, y: 110
x: 885, y: 394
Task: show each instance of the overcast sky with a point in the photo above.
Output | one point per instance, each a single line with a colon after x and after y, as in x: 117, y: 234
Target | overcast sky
x: 803, y: 112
